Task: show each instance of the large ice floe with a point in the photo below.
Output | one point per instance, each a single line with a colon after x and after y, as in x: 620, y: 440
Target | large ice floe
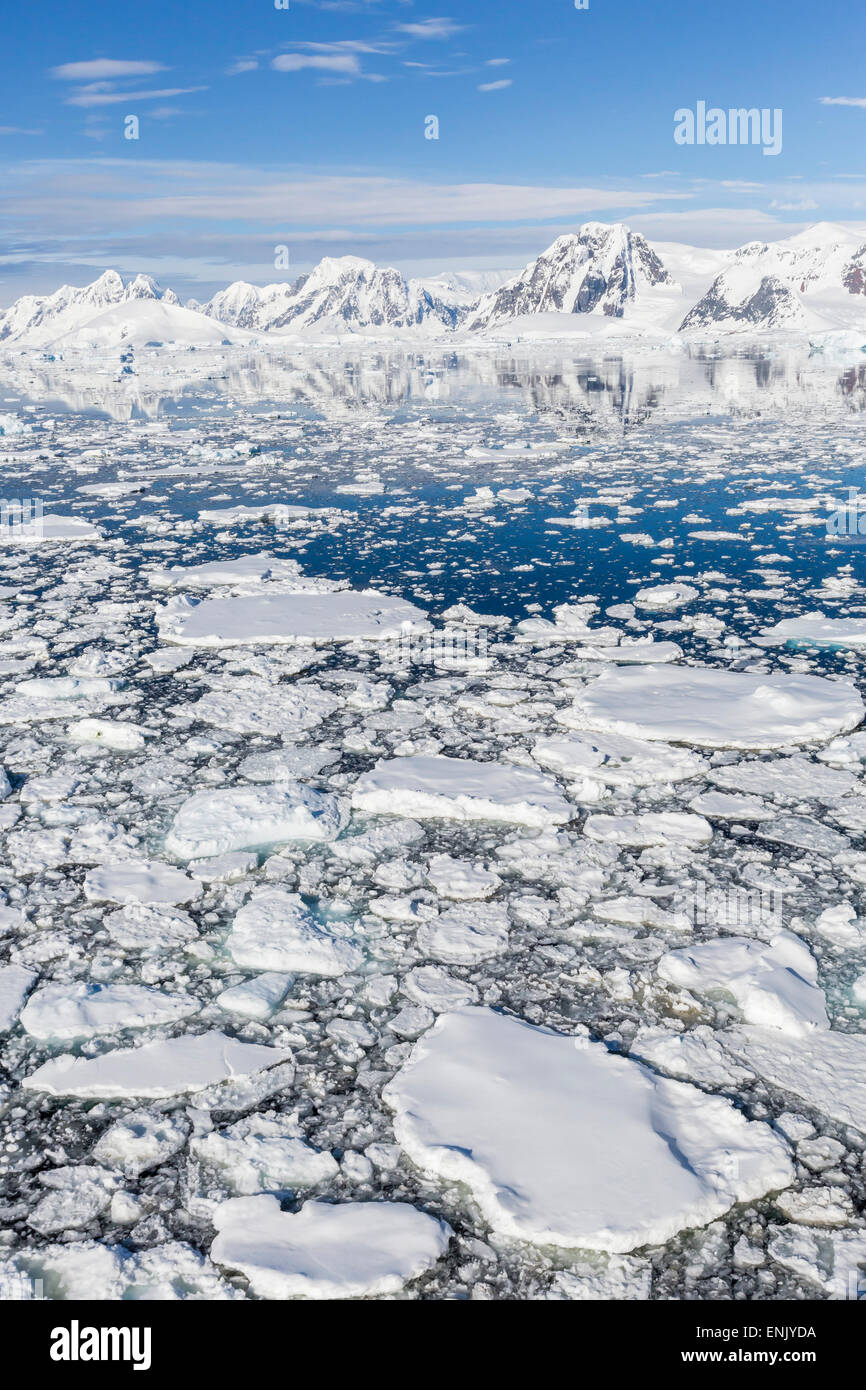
x: 156, y: 1070
x: 294, y: 619
x: 717, y: 709
x: 342, y: 1250
x: 459, y: 789
x: 570, y: 1144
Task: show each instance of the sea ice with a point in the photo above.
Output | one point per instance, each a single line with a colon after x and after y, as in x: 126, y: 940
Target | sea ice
x: 572, y: 1145
x: 460, y: 789
x: 84, y: 1010
x: 346, y: 1250
x: 276, y: 931
x: 157, y: 1070
x: 717, y: 708
x: 300, y: 619
x: 774, y: 985
x: 217, y: 822
x: 140, y: 882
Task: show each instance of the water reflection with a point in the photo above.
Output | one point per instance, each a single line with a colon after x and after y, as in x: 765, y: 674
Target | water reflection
x: 603, y: 392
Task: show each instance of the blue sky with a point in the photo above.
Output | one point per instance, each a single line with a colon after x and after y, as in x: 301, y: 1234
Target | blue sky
x: 305, y: 127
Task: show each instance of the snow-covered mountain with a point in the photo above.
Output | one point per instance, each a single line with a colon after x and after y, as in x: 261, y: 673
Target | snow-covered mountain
x: 600, y: 269
x: 601, y: 279
x: 344, y: 292
x: 42, y: 319
x: 815, y: 280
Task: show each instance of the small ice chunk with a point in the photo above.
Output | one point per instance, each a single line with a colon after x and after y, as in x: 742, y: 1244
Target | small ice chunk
x: 458, y: 878
x: 112, y: 733
x: 713, y: 708
x: 143, y: 1139
x: 258, y: 997
x: 465, y: 935
x: 261, y: 1152
x: 217, y: 822
x: 652, y: 828
x: 15, y: 982
x: 346, y: 1250
x: 817, y: 630
x: 276, y: 931
x: 301, y: 619
x: 775, y: 985
x: 665, y: 597
x: 85, y: 1010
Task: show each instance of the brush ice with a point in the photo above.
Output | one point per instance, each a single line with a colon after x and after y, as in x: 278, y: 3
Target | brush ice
x: 346, y: 1250
x: 817, y: 630
x: 140, y: 882
x: 426, y: 787
x: 465, y: 935
x: 157, y: 1070
x: 294, y: 619
x: 574, y: 1146
x: 276, y: 931
x: 717, y: 708
x: 211, y: 823
x: 775, y: 985
x: 261, y: 1152
x: 85, y: 1010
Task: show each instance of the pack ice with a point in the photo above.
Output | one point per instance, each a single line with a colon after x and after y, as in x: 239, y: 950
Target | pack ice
x: 217, y: 822
x: 572, y: 1145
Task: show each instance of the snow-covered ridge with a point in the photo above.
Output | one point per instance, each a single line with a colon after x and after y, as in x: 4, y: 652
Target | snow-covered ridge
x: 600, y: 278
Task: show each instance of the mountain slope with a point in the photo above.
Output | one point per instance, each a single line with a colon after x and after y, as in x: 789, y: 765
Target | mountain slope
x: 42, y: 319
x: 812, y: 281
x: 340, y: 293
x: 603, y: 270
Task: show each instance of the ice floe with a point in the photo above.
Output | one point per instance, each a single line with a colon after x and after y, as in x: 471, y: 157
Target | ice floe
x: 459, y: 789
x: 297, y: 619
x: 345, y: 1250
x: 218, y: 822
x: 276, y: 931
x: 717, y: 709
x: 571, y: 1145
x: 157, y: 1070
x: 773, y: 984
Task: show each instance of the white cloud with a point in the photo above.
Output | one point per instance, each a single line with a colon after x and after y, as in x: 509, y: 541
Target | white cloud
x: 494, y: 86
x: 804, y: 205
x: 89, y: 97
x: 18, y: 130
x: 843, y: 101
x: 431, y: 29
x: 325, y: 62
x: 496, y: 62
x: 105, y: 67
x: 242, y: 65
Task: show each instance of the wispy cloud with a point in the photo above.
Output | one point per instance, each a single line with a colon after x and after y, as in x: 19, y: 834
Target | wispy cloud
x: 90, y: 97
x: 96, y: 68
x: 494, y: 86
x: 496, y: 62
x: 842, y: 101
x: 18, y: 130
x: 431, y: 29
x: 346, y: 63
x: 242, y: 65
